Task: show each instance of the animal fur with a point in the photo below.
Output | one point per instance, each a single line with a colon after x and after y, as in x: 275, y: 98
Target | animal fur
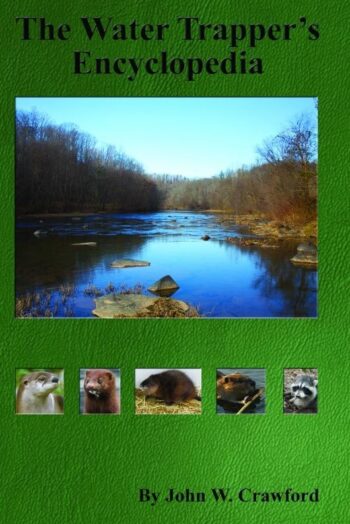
x: 171, y: 386
x: 100, y: 392
x: 35, y: 394
x: 234, y: 387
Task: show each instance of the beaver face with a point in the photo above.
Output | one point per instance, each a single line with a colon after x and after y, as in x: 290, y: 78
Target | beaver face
x: 150, y: 386
x: 98, y: 382
x: 40, y: 384
x: 235, y: 387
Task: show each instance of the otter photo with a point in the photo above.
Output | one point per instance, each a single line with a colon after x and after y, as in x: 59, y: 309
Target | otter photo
x: 168, y: 391
x: 300, y: 391
x: 240, y: 391
x: 166, y: 207
x: 39, y: 391
x: 100, y: 391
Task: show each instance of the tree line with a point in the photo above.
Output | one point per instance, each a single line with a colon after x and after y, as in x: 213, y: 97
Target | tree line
x: 283, y: 184
x: 61, y: 169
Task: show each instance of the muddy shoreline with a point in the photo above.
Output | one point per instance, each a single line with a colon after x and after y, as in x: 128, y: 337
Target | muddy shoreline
x: 263, y: 232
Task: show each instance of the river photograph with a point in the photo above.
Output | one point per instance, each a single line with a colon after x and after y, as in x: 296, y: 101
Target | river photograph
x: 166, y: 208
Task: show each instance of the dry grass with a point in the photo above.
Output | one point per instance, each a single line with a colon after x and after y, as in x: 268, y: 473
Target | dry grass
x: 165, y: 308
x: 92, y: 291
x: 67, y: 290
x: 137, y: 289
x: 285, y: 225
x: 153, y: 406
x: 110, y: 288
x: 34, y: 304
x: 46, y: 303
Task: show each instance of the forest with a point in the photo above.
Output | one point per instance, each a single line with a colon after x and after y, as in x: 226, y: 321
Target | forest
x: 62, y: 169
x: 283, y: 184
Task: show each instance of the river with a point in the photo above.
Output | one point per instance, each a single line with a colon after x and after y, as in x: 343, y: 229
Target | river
x: 218, y: 278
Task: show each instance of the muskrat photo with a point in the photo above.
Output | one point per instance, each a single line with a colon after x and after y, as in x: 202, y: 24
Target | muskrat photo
x: 100, y: 391
x: 300, y: 391
x: 39, y: 391
x: 240, y: 391
x: 168, y: 391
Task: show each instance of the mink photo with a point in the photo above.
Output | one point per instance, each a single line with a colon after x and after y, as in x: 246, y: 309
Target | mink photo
x: 166, y: 207
x: 39, y: 391
x: 100, y: 391
x: 168, y: 391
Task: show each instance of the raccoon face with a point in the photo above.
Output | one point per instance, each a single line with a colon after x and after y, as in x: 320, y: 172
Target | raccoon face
x: 304, y: 391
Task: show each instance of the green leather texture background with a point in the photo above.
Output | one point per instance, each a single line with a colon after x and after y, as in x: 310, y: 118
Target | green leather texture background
x: 76, y: 469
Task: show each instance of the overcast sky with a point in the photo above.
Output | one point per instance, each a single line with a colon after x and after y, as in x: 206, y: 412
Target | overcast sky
x: 193, y: 137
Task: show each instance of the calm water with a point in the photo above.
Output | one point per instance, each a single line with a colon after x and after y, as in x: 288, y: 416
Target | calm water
x: 221, y: 279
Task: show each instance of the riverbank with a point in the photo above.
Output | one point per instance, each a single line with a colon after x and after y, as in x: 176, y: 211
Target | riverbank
x: 261, y: 226
x: 269, y: 231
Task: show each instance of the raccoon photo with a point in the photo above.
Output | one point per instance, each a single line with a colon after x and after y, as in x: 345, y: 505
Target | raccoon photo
x: 300, y: 390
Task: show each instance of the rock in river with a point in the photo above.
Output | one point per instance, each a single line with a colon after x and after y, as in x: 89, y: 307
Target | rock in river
x: 165, y: 286
x: 125, y: 262
x: 306, y: 255
x: 206, y: 237
x: 40, y: 233
x: 134, y: 305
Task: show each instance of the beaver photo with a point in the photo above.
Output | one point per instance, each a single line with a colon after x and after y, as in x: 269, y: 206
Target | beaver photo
x: 100, y: 394
x: 240, y: 391
x: 234, y: 387
x: 172, y: 386
x: 35, y: 394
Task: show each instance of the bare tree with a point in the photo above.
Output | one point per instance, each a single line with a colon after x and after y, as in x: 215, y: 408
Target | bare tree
x: 295, y: 147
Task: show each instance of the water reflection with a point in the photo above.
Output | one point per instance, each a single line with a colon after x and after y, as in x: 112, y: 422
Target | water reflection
x: 297, y: 285
x: 222, y: 279
x: 52, y: 260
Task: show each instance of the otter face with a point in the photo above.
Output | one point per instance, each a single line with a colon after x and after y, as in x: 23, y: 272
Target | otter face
x: 235, y: 387
x: 150, y: 386
x: 40, y: 384
x: 304, y: 391
x: 98, y: 382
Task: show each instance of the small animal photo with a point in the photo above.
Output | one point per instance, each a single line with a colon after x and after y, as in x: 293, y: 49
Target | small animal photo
x: 168, y: 391
x: 100, y: 391
x: 39, y: 391
x: 240, y: 391
x: 300, y: 391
